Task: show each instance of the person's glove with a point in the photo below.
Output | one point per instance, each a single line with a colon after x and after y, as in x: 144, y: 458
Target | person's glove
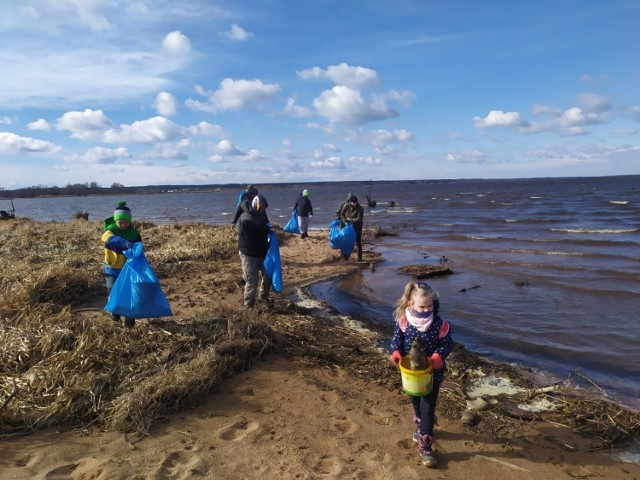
x: 435, y: 361
x: 396, y: 358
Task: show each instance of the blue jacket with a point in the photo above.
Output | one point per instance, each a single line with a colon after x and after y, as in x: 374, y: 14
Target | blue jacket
x: 437, y: 339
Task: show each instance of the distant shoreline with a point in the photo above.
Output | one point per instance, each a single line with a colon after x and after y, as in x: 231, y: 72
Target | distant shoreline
x: 92, y: 189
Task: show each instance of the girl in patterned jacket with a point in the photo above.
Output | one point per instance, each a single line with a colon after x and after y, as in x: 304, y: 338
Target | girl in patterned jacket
x: 417, y: 317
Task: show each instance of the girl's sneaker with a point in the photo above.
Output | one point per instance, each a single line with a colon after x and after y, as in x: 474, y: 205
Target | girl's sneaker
x: 429, y: 459
x: 426, y: 452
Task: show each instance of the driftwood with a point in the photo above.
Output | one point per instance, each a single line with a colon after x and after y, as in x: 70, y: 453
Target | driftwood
x: 420, y: 271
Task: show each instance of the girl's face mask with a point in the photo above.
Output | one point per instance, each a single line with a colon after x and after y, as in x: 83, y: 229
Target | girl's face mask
x: 425, y: 314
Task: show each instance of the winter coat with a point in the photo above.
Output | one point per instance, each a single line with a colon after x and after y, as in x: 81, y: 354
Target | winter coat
x: 115, y: 242
x: 436, y: 339
x: 352, y: 213
x: 303, y: 206
x: 253, y: 232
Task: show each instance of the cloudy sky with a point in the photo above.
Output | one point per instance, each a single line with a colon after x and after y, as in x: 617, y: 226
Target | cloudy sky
x: 144, y: 92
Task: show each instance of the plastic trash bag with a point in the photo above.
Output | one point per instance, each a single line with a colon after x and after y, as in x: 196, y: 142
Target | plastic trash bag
x: 136, y: 292
x: 292, y: 226
x: 342, y: 238
x: 272, y: 263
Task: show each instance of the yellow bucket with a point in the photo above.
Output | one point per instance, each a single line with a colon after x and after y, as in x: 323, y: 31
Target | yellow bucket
x: 415, y: 382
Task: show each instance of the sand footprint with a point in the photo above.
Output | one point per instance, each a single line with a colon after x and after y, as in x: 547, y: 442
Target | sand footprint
x: 238, y: 431
x: 61, y: 473
x: 327, y: 465
x: 177, y: 465
x: 346, y: 426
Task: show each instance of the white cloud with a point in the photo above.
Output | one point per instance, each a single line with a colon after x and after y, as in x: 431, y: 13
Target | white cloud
x: 165, y: 104
x: 100, y: 155
x: 156, y: 129
x: 13, y: 144
x: 206, y: 129
x: 331, y: 147
x: 40, y: 124
x: 593, y: 103
x: 384, y: 137
x: 235, y: 94
x: 342, y: 104
x: 365, y: 160
x: 170, y: 151
x: 6, y: 121
x: 296, y: 111
x: 405, y: 98
x: 227, y: 147
x: 86, y: 125
x: 176, y: 43
x: 498, y: 118
x: 466, y: 156
x: 237, y: 33
x: 575, y: 117
x: 331, y: 162
x: 343, y: 74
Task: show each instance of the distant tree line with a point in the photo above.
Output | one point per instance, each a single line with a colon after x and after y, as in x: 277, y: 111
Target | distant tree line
x: 92, y: 188
x: 72, y: 189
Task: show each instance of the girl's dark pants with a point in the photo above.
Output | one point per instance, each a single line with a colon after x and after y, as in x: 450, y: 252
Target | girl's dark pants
x: 425, y: 409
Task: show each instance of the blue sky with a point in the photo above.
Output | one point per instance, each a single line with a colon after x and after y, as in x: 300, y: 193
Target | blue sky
x: 262, y: 91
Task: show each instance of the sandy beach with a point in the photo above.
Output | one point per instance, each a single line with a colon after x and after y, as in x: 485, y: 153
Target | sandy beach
x: 323, y: 403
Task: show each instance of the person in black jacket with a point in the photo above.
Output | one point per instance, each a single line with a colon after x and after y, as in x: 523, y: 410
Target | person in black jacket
x: 353, y: 213
x: 305, y: 210
x: 253, y: 245
x: 246, y: 195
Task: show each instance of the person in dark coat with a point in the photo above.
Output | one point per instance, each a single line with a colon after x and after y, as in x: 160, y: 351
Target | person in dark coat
x: 247, y: 195
x: 305, y: 210
x: 349, y: 195
x: 253, y: 245
x: 353, y: 213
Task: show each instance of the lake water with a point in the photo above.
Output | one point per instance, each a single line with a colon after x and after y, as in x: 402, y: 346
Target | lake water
x: 573, y: 243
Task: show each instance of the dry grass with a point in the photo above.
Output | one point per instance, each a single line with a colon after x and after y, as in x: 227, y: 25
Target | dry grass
x: 59, y: 368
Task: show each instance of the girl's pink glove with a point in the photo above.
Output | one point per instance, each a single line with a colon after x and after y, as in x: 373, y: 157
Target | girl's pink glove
x: 435, y: 361
x: 396, y: 358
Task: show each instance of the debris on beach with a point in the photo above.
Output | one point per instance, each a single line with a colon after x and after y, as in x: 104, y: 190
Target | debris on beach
x: 6, y: 215
x: 418, y: 360
x: 420, y: 271
x: 462, y: 290
x: 60, y: 366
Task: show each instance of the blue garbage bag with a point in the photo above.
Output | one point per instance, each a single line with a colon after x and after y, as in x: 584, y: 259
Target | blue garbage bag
x: 136, y: 292
x: 272, y: 263
x: 342, y: 238
x: 292, y: 226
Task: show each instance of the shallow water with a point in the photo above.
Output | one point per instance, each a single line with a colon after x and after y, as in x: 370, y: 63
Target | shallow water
x: 574, y: 243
